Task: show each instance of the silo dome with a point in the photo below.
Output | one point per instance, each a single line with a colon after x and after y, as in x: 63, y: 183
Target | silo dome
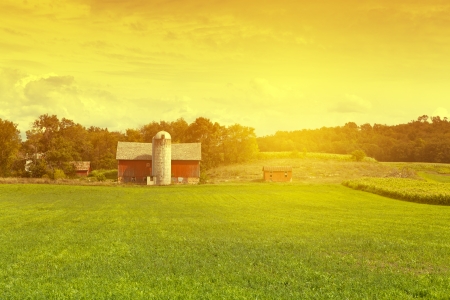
x: 162, y: 135
x: 162, y: 158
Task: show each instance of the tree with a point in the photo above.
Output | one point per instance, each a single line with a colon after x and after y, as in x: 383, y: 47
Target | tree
x: 133, y: 135
x: 239, y: 144
x: 209, y: 134
x: 177, y: 130
x: 104, y: 147
x: 58, y: 142
x: 10, y: 142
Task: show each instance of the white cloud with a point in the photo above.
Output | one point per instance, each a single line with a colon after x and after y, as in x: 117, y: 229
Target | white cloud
x: 441, y: 112
x: 350, y: 104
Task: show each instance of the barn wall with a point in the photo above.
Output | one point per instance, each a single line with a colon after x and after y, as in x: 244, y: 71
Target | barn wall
x: 185, y: 168
x: 278, y: 176
x: 82, y: 173
x: 134, y: 170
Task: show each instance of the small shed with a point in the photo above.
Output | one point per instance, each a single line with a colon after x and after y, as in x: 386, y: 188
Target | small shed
x: 277, y: 174
x: 82, y: 168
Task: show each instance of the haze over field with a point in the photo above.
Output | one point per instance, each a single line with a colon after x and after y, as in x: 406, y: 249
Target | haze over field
x: 121, y: 64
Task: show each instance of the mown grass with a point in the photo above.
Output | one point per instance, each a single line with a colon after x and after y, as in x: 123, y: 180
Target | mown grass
x: 231, y: 241
x: 310, y: 155
x: 436, y: 168
x: 433, y: 177
x: 404, y: 189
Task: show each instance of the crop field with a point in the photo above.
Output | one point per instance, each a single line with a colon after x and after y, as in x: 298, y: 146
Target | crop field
x: 429, y: 192
x: 229, y: 241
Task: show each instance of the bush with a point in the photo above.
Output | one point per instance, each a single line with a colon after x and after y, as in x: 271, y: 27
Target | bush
x: 108, y: 174
x: 203, y: 178
x: 100, y: 177
x: 38, y: 169
x: 358, y: 155
x: 58, y: 174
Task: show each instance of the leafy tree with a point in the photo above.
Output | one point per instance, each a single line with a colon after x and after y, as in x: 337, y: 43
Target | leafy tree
x: 133, y: 135
x: 104, y: 147
x: 239, y: 144
x: 10, y: 142
x: 209, y: 134
x: 177, y: 130
x: 58, y: 141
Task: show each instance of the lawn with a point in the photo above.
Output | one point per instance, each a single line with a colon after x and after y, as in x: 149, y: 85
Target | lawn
x: 235, y: 241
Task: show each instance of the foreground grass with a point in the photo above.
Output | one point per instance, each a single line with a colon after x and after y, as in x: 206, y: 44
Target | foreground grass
x: 429, y: 192
x: 230, y: 241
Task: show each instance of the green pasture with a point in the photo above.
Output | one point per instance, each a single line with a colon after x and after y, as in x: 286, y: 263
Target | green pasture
x: 230, y: 241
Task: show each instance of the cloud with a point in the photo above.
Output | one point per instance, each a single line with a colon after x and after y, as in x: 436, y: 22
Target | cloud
x: 13, y: 31
x: 24, y: 97
x: 441, y: 112
x: 44, y: 90
x: 263, y: 88
x: 351, y: 104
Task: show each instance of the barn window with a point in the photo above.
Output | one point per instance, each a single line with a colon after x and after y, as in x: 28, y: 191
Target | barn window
x: 285, y: 174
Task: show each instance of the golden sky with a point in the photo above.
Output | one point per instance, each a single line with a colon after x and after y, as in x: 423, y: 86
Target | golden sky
x: 271, y: 65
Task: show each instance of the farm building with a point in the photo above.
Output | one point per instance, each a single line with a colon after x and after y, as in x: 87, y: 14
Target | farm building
x: 153, y: 163
x: 82, y: 168
x: 277, y: 174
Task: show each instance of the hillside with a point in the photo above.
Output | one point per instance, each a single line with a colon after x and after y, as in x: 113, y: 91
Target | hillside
x: 306, y: 167
x: 326, y: 168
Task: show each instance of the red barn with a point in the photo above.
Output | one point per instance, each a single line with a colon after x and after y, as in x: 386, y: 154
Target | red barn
x: 82, y: 168
x: 135, y: 162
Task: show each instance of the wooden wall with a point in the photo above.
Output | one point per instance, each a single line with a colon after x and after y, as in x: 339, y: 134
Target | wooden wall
x: 82, y: 173
x: 138, y: 170
x: 278, y: 176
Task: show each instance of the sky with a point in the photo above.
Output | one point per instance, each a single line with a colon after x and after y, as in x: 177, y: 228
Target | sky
x: 270, y: 65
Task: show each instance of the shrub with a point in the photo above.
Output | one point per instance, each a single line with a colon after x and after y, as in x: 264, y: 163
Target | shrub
x: 203, y: 178
x: 58, y: 174
x: 100, y: 177
x: 358, y: 155
x: 110, y: 174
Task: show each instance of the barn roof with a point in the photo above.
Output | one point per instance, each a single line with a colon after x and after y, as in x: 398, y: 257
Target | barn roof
x: 277, y: 169
x: 143, y: 151
x: 82, y: 165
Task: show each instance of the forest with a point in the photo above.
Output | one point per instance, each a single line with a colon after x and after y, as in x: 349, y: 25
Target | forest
x: 52, y: 143
x: 426, y: 139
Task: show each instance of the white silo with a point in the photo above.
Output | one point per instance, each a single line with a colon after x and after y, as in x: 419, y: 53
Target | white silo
x: 162, y: 158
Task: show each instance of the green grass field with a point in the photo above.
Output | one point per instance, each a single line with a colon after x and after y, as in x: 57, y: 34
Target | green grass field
x: 229, y: 241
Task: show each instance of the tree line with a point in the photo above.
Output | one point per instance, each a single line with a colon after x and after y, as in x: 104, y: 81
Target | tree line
x: 53, y: 144
x: 426, y: 139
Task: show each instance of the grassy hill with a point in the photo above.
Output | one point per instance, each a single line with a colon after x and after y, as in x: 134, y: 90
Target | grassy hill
x: 306, y: 168
x: 326, y: 168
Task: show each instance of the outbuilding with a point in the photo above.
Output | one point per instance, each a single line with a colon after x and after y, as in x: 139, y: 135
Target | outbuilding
x: 135, y: 163
x: 277, y: 174
x: 82, y: 168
